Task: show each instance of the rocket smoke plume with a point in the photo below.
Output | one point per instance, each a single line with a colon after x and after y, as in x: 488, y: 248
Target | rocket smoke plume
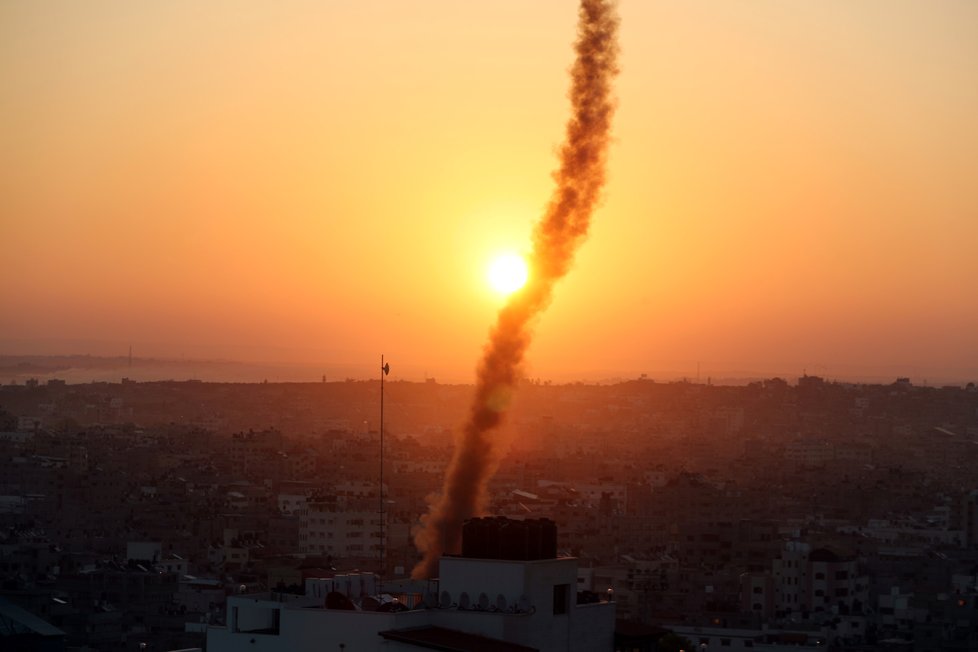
x: 556, y: 237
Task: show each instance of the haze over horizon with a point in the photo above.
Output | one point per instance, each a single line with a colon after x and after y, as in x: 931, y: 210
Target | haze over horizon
x: 86, y: 368
x: 791, y: 186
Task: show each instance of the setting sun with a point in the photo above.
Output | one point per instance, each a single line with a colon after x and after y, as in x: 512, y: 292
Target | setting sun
x: 508, y: 273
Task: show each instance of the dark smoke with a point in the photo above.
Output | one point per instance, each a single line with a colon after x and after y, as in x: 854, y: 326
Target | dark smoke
x: 555, y: 239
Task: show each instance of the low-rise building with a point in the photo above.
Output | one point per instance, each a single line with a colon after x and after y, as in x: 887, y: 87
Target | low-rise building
x: 508, y: 591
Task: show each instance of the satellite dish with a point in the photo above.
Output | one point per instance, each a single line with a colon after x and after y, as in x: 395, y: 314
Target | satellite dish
x: 501, y: 602
x: 430, y: 600
x: 336, y: 600
x: 369, y: 603
x: 463, y: 601
x: 483, y: 601
x: 446, y: 600
x: 524, y: 604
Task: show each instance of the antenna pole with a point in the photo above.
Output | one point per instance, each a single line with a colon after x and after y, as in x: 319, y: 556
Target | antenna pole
x: 383, y: 372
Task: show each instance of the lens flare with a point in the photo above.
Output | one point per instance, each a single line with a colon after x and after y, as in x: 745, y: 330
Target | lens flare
x: 508, y: 273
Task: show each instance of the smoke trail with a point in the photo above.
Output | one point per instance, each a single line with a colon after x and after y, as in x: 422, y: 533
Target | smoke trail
x: 556, y: 237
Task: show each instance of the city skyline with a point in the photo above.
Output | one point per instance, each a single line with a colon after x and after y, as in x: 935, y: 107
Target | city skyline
x: 789, y: 186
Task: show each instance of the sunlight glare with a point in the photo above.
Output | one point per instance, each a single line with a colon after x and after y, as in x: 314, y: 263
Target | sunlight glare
x: 508, y: 273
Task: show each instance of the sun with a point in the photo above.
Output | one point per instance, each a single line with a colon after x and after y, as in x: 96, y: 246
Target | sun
x: 508, y: 273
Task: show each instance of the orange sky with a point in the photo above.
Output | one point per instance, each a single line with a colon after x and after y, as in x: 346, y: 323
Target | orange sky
x: 792, y: 184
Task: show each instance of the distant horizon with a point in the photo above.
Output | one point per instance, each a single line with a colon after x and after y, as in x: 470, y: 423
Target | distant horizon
x: 327, y: 182
x: 16, y: 368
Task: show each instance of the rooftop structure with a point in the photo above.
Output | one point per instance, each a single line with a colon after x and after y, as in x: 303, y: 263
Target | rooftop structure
x: 508, y: 591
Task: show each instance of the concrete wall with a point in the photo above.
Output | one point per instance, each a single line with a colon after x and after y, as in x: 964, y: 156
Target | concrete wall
x: 248, y: 614
x: 551, y: 631
x: 303, y: 629
x: 144, y: 551
x: 593, y: 627
x: 491, y: 576
x: 308, y: 630
x: 314, y: 630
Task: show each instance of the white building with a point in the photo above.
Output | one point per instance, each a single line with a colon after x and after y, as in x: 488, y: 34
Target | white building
x: 615, y: 494
x: 817, y: 581
x: 791, y: 576
x: 292, y: 504
x: 969, y: 519
x: 328, y: 528
x: 477, y: 603
x: 151, y: 551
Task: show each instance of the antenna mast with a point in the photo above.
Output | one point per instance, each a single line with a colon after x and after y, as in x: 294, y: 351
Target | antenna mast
x: 384, y: 370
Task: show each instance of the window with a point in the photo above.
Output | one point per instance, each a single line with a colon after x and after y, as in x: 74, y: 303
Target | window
x: 561, y: 597
x: 842, y: 575
x: 724, y: 642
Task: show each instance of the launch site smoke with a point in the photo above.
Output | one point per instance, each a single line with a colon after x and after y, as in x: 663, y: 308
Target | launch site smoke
x: 556, y: 237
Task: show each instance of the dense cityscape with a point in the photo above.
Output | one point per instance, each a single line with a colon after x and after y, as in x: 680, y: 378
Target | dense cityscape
x: 543, y: 216
x: 803, y: 513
